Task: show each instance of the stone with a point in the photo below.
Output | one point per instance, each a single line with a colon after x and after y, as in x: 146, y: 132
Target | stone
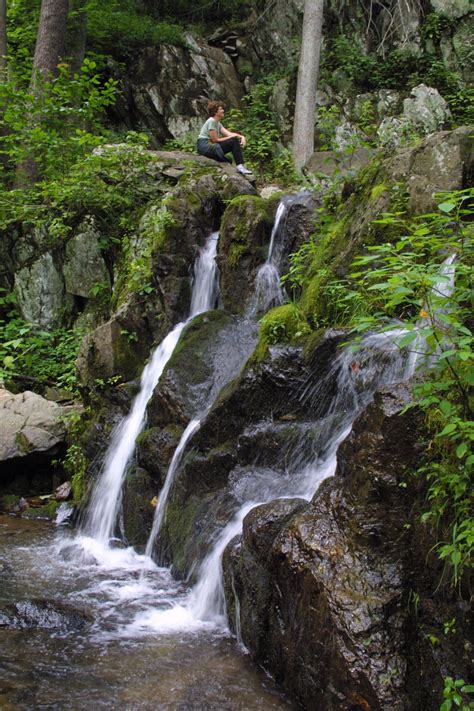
x: 167, y: 248
x: 84, y: 267
x: 32, y: 434
x: 167, y: 88
x: 29, y: 423
x: 41, y: 295
x: 426, y: 109
x: 63, y: 492
x: 330, y: 576
x: 44, y: 615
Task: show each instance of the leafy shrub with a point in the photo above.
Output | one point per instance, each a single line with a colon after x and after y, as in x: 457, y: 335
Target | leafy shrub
x: 57, y: 124
x: 119, y: 28
x: 405, y: 280
x: 34, y: 358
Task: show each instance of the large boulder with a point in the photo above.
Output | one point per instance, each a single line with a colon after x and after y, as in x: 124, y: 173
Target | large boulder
x: 323, y: 590
x: 84, y: 267
x: 32, y: 434
x: 238, y: 448
x: 40, y: 290
x: 166, y: 88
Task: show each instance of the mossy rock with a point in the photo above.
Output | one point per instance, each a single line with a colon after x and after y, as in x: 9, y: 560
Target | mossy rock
x: 284, y: 324
x: 189, y: 373
x: 245, y: 235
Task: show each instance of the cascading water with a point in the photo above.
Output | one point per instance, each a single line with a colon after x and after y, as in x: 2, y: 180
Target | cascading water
x: 106, y: 496
x: 379, y: 361
x: 268, y: 291
x: 192, y: 427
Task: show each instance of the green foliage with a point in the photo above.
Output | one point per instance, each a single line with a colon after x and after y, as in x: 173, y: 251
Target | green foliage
x: 119, y: 27
x: 283, y: 324
x: 454, y: 694
x: 56, y: 124
x: 112, y: 183
x: 30, y: 355
x: 400, y: 69
x: 404, y: 280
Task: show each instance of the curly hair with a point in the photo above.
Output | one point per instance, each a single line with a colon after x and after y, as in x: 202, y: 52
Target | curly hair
x: 213, y: 107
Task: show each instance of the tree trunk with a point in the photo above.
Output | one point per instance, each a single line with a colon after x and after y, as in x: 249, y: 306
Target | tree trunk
x: 51, y: 38
x: 76, y: 35
x: 50, y: 44
x: 308, y: 69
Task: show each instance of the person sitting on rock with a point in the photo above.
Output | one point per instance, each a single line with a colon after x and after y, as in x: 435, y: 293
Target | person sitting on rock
x: 215, y: 141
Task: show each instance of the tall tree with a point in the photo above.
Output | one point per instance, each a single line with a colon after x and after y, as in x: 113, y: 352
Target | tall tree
x: 51, y: 38
x: 49, y: 48
x: 308, y: 70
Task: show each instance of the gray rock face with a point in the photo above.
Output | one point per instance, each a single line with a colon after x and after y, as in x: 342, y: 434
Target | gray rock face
x: 167, y: 88
x: 41, y: 294
x: 452, y: 8
x: 444, y: 161
x: 325, y: 613
x: 84, y: 266
x: 426, y: 109
x: 29, y: 424
x: 122, y: 344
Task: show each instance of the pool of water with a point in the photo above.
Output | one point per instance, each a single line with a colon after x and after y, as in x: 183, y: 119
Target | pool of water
x: 120, y: 657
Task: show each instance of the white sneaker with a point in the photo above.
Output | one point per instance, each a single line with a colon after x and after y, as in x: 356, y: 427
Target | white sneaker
x: 242, y: 169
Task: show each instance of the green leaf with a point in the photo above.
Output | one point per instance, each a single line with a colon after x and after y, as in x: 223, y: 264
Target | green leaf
x: 461, y: 450
x: 446, y: 206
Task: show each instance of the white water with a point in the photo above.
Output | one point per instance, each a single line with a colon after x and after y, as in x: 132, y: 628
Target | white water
x: 106, y: 496
x: 268, y: 292
x: 192, y: 427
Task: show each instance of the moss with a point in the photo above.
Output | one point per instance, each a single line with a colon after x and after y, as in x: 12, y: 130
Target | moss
x: 376, y: 191
x: 48, y: 511
x: 283, y: 324
x: 78, y: 486
x: 8, y: 502
x: 179, y: 527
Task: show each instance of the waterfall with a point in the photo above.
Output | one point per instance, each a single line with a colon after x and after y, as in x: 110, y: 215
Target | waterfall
x: 378, y: 362
x: 268, y: 292
x: 106, y: 496
x: 163, y: 497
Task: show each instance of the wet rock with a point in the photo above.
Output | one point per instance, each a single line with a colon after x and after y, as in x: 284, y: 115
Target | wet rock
x: 329, y: 585
x: 245, y: 235
x: 138, y: 510
x: 232, y: 450
x: 155, y: 449
x: 44, y: 614
x: 189, y: 374
x: 63, y: 492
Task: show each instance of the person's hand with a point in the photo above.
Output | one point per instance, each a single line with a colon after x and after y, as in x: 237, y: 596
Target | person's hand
x: 243, y: 141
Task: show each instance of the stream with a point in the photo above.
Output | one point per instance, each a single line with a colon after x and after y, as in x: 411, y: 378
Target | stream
x: 105, y: 660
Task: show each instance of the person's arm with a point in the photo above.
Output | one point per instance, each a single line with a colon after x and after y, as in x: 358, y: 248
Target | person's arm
x: 214, y: 138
